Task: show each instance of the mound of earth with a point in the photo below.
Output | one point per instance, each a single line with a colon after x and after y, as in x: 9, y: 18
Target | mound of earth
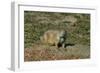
x: 43, y: 52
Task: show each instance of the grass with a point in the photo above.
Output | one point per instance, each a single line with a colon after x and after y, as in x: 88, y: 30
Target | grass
x: 77, y: 26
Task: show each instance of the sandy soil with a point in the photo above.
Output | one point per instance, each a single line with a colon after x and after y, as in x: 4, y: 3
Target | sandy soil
x: 40, y: 52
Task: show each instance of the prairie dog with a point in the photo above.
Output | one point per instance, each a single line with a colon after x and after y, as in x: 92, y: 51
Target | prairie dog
x: 54, y: 37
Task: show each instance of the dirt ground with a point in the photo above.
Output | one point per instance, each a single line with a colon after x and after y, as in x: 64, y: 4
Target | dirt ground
x: 44, y: 52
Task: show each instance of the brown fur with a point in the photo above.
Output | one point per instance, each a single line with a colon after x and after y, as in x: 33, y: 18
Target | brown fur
x: 53, y: 37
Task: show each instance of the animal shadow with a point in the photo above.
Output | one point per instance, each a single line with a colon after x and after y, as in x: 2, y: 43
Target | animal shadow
x: 69, y: 44
x: 66, y: 45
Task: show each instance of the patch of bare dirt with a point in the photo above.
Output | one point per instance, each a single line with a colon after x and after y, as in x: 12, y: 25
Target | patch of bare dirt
x: 43, y: 52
